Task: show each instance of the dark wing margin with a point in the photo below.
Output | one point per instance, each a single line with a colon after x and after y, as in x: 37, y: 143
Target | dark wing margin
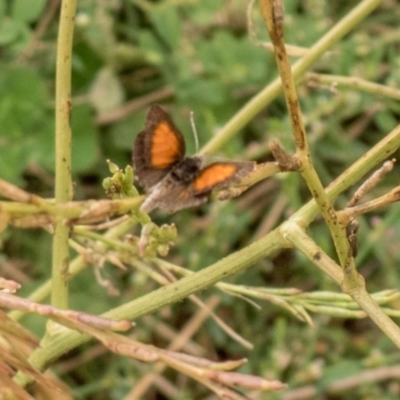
x: 145, y: 173
x: 168, y: 144
x: 157, y: 148
x: 173, y: 196
x: 220, y: 175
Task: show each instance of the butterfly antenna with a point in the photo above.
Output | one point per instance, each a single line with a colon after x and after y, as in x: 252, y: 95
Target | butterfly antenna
x: 196, y: 138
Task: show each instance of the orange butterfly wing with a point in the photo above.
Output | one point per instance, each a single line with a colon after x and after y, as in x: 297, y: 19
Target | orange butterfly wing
x: 220, y: 174
x: 166, y: 148
x: 159, y: 147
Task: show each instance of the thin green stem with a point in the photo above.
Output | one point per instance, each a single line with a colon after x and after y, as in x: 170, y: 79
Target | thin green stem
x: 262, y: 99
x: 63, y: 184
x: 381, y: 151
x: 352, y: 82
x: 67, y: 339
x: 295, y: 235
x: 76, y: 266
x: 57, y: 345
x: 274, y: 21
x: 78, y: 211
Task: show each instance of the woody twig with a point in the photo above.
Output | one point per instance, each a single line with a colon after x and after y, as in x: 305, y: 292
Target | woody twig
x: 352, y: 283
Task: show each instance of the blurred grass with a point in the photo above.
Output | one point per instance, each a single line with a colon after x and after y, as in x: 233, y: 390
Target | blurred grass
x: 125, y: 50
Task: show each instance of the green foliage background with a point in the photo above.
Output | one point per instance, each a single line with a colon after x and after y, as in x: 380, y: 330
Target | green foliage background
x: 197, y: 55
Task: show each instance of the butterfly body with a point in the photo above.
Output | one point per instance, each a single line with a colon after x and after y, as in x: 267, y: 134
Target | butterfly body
x: 186, y: 170
x: 172, y: 180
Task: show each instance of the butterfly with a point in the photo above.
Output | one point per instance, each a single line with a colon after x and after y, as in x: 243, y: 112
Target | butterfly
x: 172, y: 180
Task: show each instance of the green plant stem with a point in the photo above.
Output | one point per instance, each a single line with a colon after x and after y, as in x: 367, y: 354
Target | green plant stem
x: 338, y: 232
x: 296, y: 236
x: 352, y: 82
x: 76, y: 266
x: 271, y: 12
x: 381, y: 151
x: 63, y: 184
x: 72, y: 209
x: 261, y: 100
x: 66, y: 339
x: 303, y: 217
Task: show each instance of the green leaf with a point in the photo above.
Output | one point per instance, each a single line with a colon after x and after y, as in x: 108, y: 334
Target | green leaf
x: 202, y: 11
x: 84, y: 139
x: 13, y: 159
x: 85, y: 64
x: 206, y: 91
x: 2, y: 10
x: 24, y: 97
x: 84, y: 142
x: 27, y: 10
x: 168, y: 24
x: 151, y: 47
x: 9, y: 32
x: 340, y: 370
x: 23, y: 116
x: 385, y: 120
x: 232, y: 59
x: 124, y: 132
